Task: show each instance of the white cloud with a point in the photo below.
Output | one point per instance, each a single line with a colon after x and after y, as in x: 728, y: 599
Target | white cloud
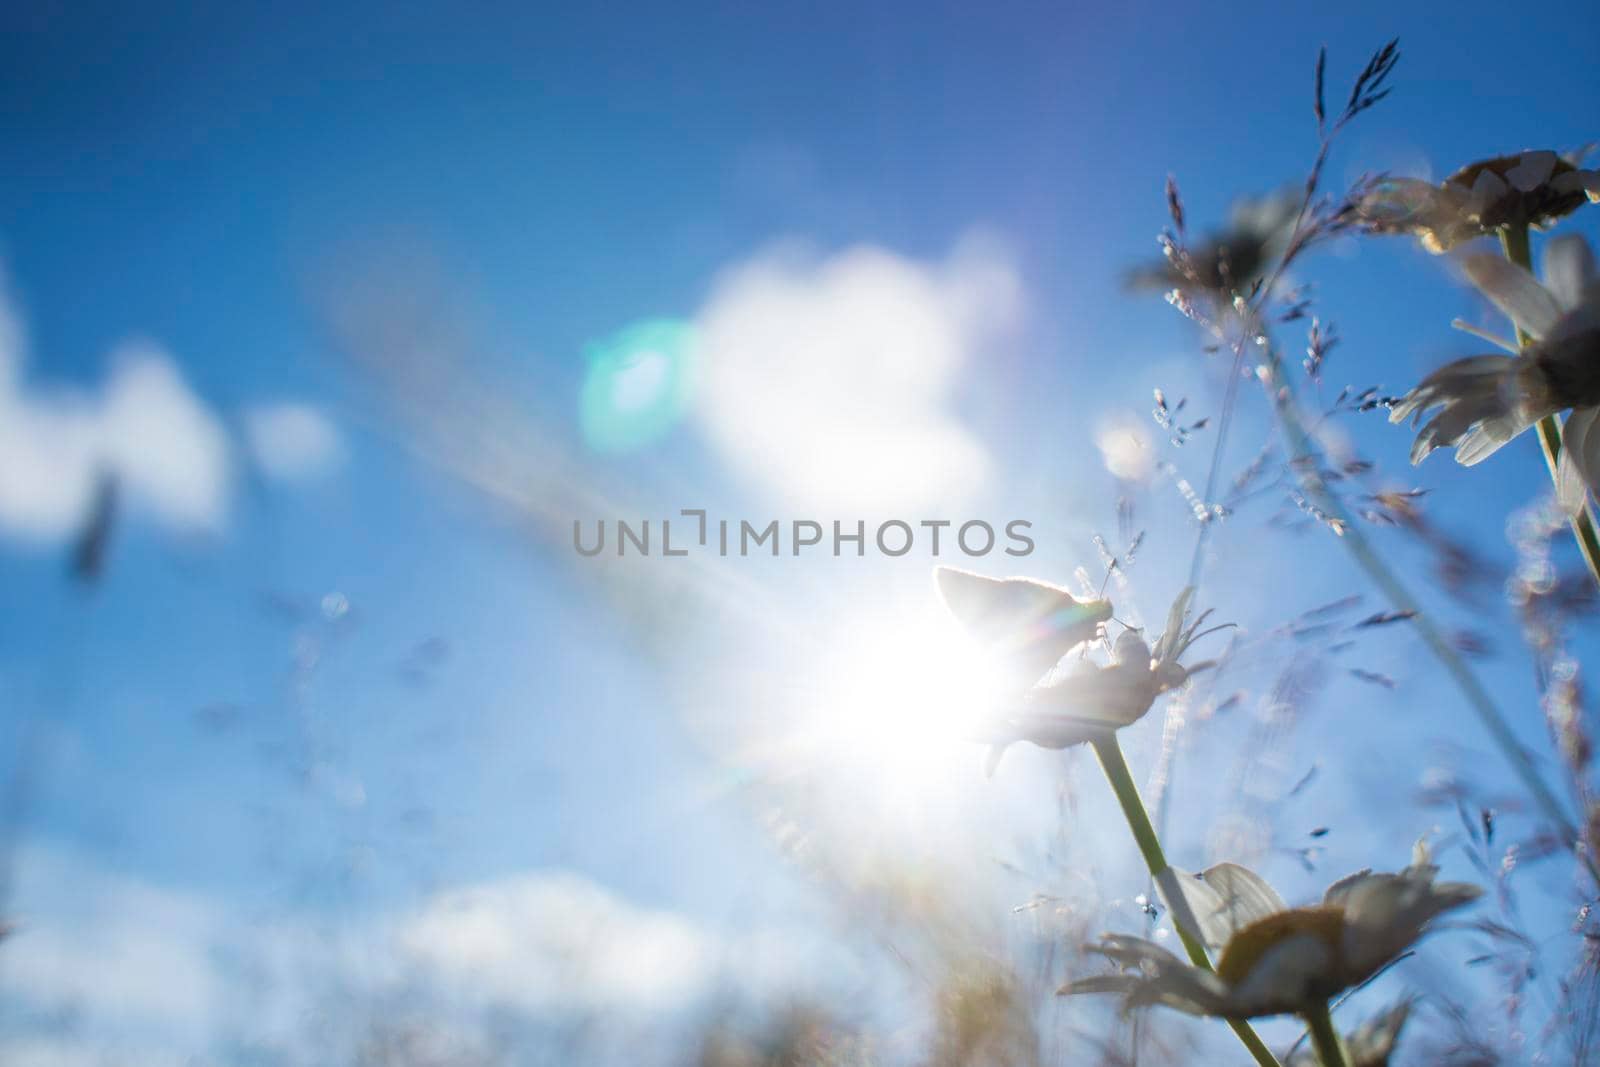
x: 49, y: 448
x: 558, y: 942
x: 829, y: 381
x: 67, y: 1050
x: 144, y: 426
x: 149, y: 971
x: 131, y: 955
x: 164, y: 445
x: 292, y: 442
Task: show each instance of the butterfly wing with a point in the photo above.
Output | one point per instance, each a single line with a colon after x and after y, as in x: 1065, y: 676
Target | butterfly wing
x: 1030, y: 623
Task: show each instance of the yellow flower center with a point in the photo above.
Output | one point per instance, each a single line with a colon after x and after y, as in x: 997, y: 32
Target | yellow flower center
x: 1248, y: 945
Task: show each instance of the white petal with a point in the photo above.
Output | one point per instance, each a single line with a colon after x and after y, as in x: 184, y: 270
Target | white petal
x: 1572, y: 342
x: 1152, y: 976
x: 1190, y: 990
x: 1168, y: 980
x: 1586, y: 182
x: 1339, y: 891
x: 1514, y: 291
x: 1487, y: 188
x: 1385, y: 913
x: 1494, y: 339
x: 1577, y: 470
x: 1489, y: 436
x: 1532, y: 171
x: 1569, y: 269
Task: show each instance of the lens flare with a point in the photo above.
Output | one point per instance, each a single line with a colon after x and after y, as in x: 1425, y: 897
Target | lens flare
x: 637, y: 386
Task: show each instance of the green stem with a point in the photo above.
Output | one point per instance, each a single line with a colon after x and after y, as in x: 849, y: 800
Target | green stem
x: 1325, y: 1037
x: 1514, y: 242
x: 1122, y: 784
x: 1303, y: 458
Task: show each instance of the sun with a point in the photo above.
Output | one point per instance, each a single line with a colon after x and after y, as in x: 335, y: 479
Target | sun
x: 905, y: 701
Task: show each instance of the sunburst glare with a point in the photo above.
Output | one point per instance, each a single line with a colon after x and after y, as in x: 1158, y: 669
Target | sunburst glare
x: 902, y: 701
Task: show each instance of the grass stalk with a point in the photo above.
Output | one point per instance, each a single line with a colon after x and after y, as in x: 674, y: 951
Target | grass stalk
x: 1144, y: 834
x: 1303, y: 458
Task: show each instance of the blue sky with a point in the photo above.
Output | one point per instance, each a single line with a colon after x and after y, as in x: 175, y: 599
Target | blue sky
x: 205, y: 722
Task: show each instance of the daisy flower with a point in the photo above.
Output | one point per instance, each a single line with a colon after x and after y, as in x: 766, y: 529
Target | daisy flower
x: 1092, y: 702
x: 1035, y: 624
x: 1532, y: 188
x: 1275, y: 959
x: 1484, y: 401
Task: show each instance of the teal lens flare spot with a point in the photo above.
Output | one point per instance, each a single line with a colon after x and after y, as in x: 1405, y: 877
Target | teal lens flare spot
x: 637, y: 387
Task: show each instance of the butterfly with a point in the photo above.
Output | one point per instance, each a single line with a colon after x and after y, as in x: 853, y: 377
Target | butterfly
x: 1029, y: 623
